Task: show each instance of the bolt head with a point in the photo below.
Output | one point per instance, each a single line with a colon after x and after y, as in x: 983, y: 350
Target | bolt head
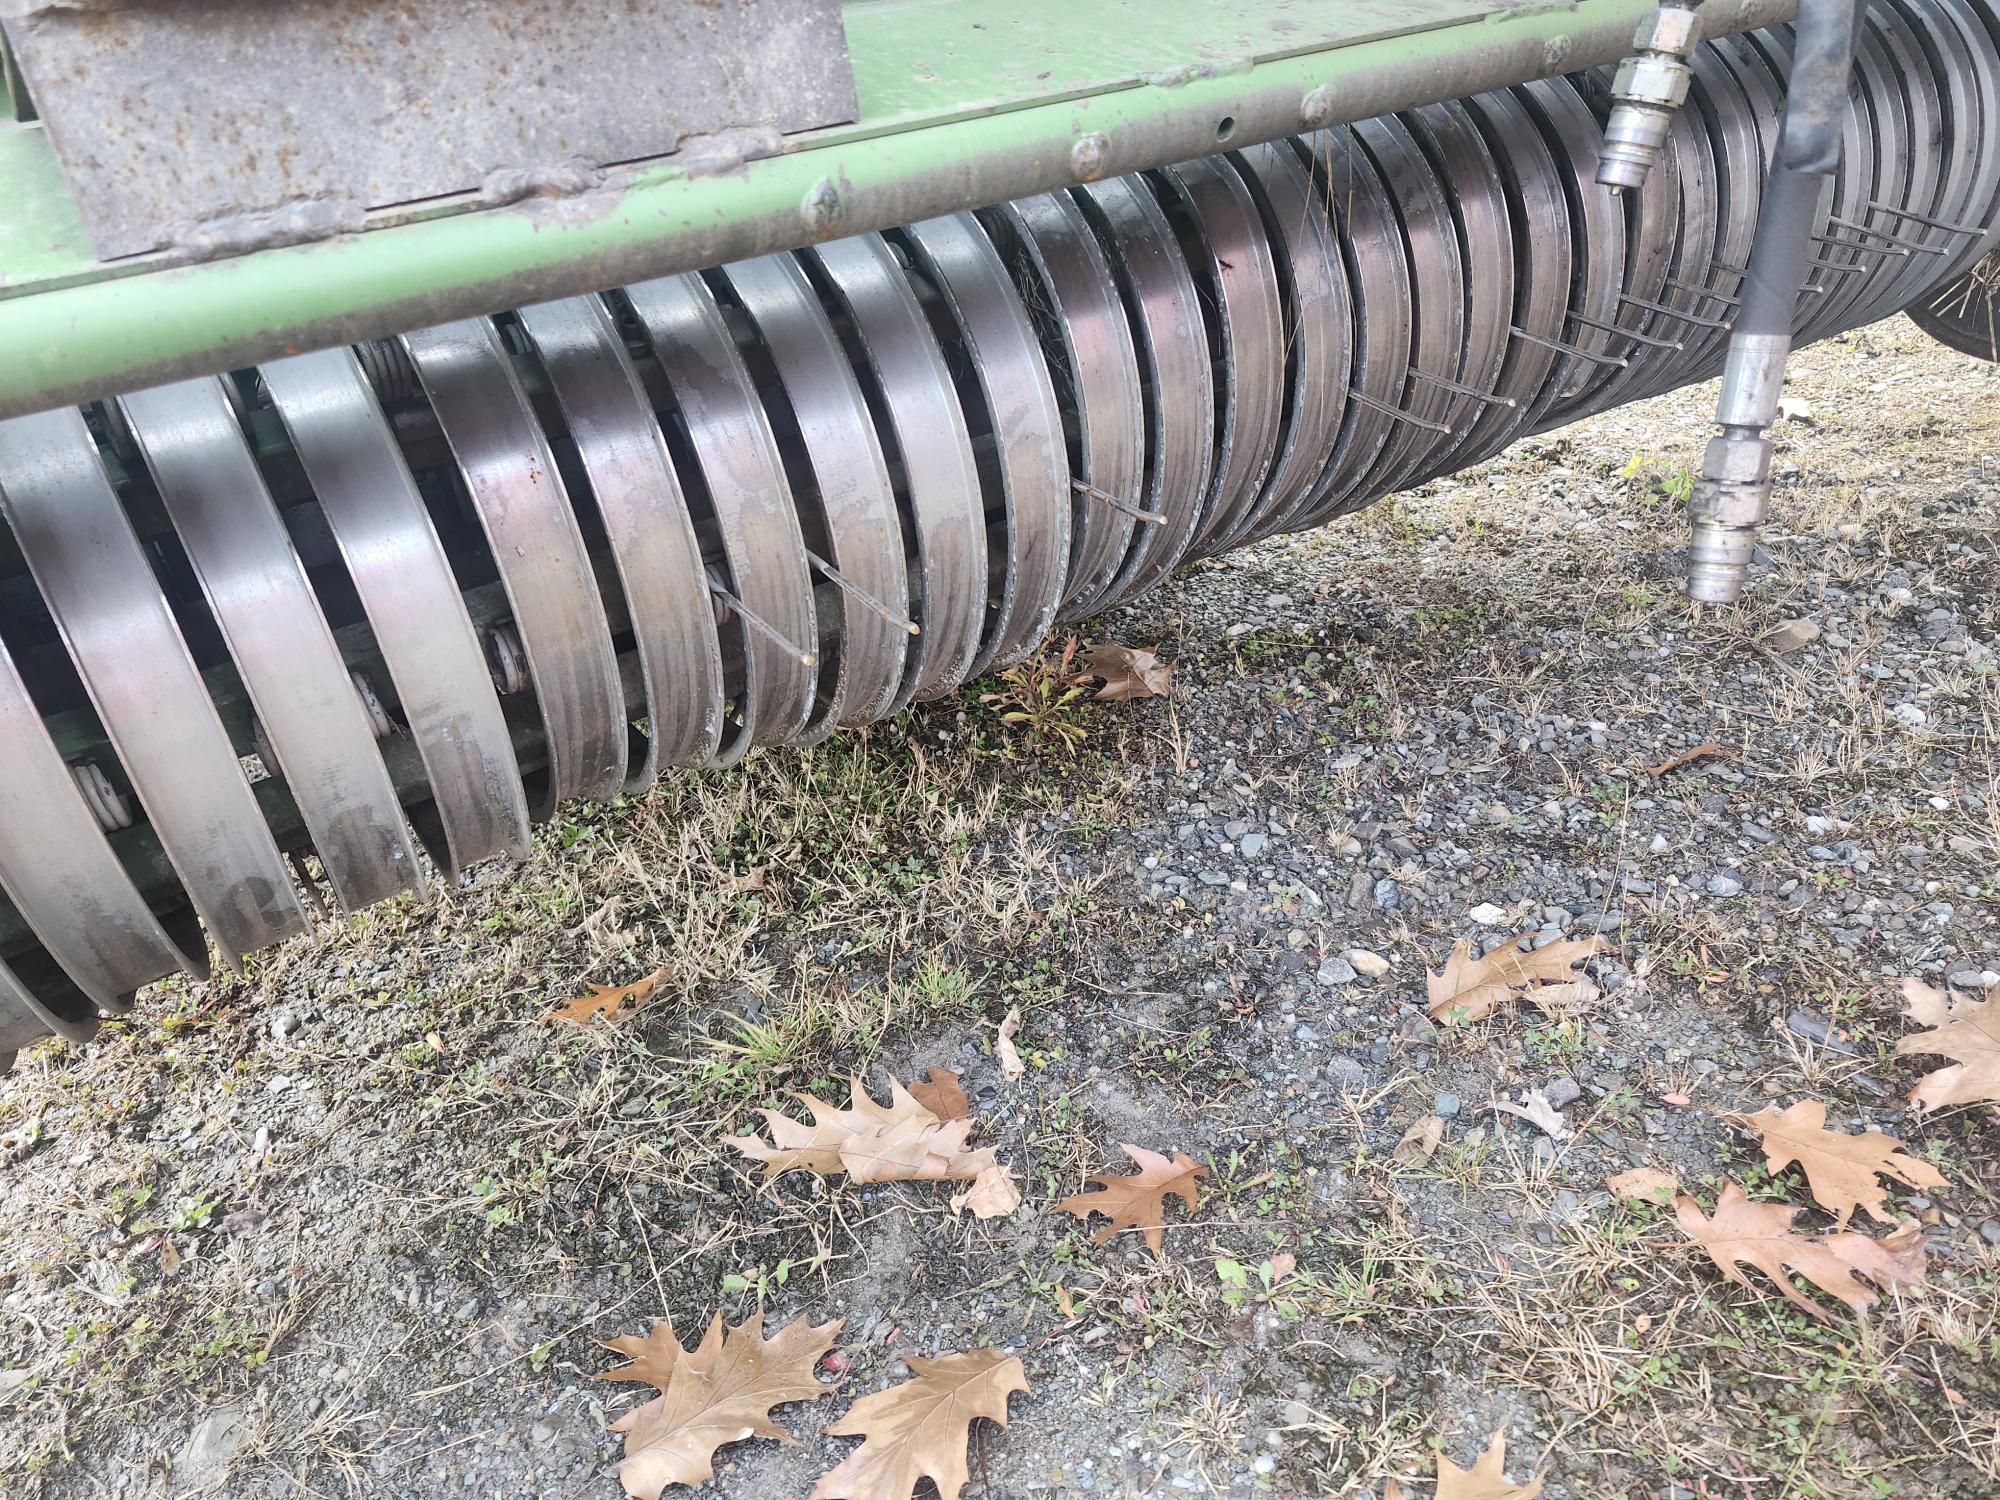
x: 1089, y: 157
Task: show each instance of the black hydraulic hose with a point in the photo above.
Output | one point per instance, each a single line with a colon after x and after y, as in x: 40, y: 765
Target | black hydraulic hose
x: 1729, y: 500
x: 1807, y: 154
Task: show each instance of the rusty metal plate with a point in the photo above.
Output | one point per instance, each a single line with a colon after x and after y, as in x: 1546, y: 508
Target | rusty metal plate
x: 234, y: 124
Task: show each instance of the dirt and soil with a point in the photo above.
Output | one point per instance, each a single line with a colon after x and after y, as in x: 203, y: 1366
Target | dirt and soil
x: 350, y: 1225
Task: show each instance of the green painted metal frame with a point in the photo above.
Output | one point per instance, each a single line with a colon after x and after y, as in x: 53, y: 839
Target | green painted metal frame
x: 963, y: 104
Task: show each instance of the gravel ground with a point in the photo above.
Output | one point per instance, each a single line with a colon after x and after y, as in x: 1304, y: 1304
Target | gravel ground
x: 350, y: 1226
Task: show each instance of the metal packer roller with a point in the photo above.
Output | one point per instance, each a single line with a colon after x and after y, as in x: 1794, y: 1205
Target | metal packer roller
x: 350, y: 523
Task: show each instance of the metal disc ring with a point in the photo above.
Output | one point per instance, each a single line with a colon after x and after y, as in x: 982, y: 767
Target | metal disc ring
x: 864, y: 535
x: 1437, y: 280
x: 1459, y: 155
x: 1175, y: 377
x: 1318, y: 332
x: 1693, y: 255
x: 652, y: 540
x: 149, y: 695
x: 59, y: 870
x: 312, y: 720
x: 531, y: 530
x: 1540, y: 221
x: 928, y: 431
x: 1378, y: 275
x: 1912, y: 99
x: 1728, y: 111
x: 1652, y: 233
x: 1066, y: 288
x: 1597, y: 247
x: 1031, y: 464
x: 407, y: 591
x: 24, y: 1018
x: 733, y: 457
x: 1229, y: 250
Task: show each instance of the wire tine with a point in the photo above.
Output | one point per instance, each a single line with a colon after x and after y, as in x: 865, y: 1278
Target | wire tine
x: 1895, y: 247
x: 835, y: 576
x: 1673, y: 312
x: 1484, y: 398
x: 750, y: 617
x: 1838, y: 267
x: 1373, y: 404
x: 1970, y: 231
x: 1572, y: 349
x: 1150, y: 517
x: 1725, y: 298
x: 1909, y: 245
x: 1638, y: 338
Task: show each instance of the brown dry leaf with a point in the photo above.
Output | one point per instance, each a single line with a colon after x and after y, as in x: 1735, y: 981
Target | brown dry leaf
x: 922, y: 1428
x: 1011, y: 1065
x: 1128, y: 672
x: 170, y: 1259
x: 1968, y: 1032
x: 1645, y: 1185
x: 1486, y: 1479
x: 1743, y: 1233
x: 903, y: 1142
x: 1140, y: 1201
x: 992, y: 1194
x: 1842, y: 1170
x: 1709, y: 751
x: 603, y: 999
x: 1471, y: 989
x: 1537, y: 1111
x: 652, y: 1356
x: 1792, y: 635
x: 1419, y: 1142
x: 720, y: 1392
x: 939, y: 1092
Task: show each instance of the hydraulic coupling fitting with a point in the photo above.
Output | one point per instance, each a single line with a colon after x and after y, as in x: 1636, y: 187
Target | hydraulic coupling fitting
x: 1729, y: 499
x: 1650, y: 85
x: 1727, y: 508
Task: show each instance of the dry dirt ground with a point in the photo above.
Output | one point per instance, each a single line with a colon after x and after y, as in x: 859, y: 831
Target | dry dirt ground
x: 351, y: 1225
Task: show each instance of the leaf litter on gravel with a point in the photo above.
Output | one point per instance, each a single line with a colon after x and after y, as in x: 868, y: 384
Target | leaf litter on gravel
x: 1471, y: 989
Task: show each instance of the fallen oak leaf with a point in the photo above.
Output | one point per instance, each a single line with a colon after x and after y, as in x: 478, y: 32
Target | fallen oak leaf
x: 651, y: 1356
x: 869, y: 1142
x: 1128, y: 672
x: 922, y: 1428
x: 604, y: 999
x: 1537, y: 1111
x: 1792, y: 635
x: 1968, y: 1032
x: 1645, y: 1185
x: 993, y: 1193
x: 1842, y: 1171
x: 1709, y: 751
x: 1471, y: 989
x: 1486, y: 1479
x: 940, y: 1093
x: 1744, y: 1233
x: 1139, y: 1201
x: 720, y: 1392
x: 1420, y: 1142
x: 1004, y: 1049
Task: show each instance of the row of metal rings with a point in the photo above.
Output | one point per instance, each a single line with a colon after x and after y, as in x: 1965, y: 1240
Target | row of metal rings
x: 745, y: 507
